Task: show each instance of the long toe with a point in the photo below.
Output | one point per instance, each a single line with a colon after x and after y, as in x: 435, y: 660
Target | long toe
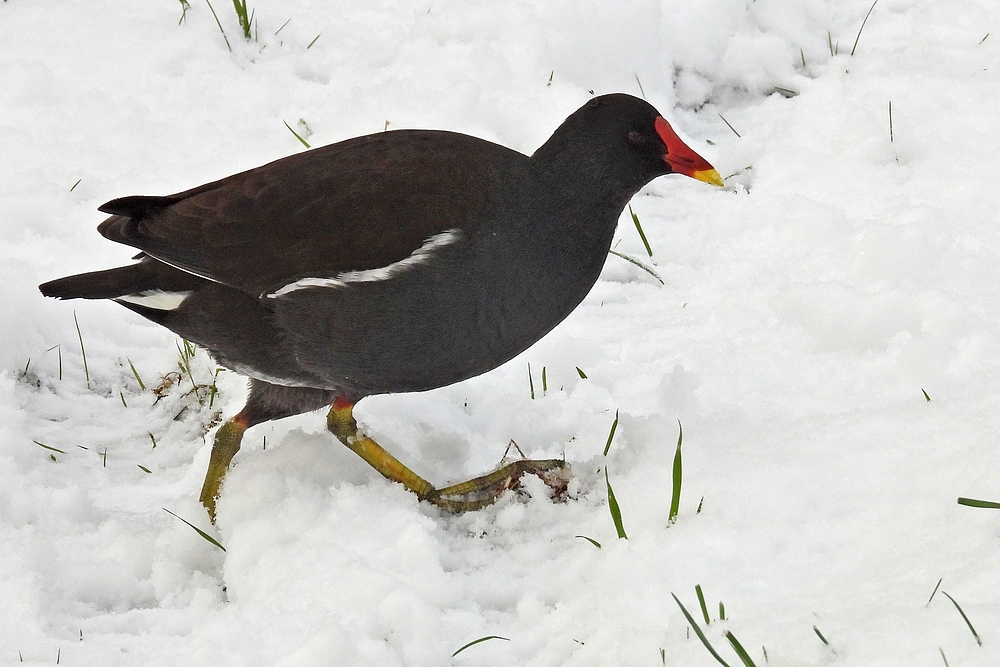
x: 483, y: 491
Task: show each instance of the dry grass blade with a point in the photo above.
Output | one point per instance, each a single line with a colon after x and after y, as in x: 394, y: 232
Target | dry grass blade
x: 863, y: 27
x: 641, y: 91
x: 219, y: 23
x: 83, y: 351
x: 730, y: 126
x: 44, y: 446
x: 478, y: 641
x: 934, y: 592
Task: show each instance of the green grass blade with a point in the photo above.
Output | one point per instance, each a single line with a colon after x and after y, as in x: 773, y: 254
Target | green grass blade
x: 701, y: 603
x: 83, y: 351
x: 184, y: 356
x: 144, y: 468
x: 313, y: 42
x: 967, y: 621
x: 616, y: 512
x: 722, y: 611
x: 44, y: 446
x: 985, y: 504
x: 478, y: 641
x: 633, y: 260
x: 545, y: 382
x: 678, y: 475
x: 583, y: 376
x: 820, y: 635
x: 698, y: 631
x: 740, y: 651
x: 142, y: 385
x: 589, y: 539
x: 638, y: 227
x: 531, y: 383
x: 197, y: 529
x: 244, y: 19
x: 611, y: 435
x: 297, y: 136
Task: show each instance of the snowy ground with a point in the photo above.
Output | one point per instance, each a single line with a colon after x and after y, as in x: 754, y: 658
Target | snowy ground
x: 804, y: 309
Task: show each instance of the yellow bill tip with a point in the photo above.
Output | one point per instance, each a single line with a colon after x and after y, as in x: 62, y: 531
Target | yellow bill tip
x: 710, y: 176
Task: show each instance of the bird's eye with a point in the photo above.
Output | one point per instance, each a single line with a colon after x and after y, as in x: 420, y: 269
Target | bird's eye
x: 635, y: 138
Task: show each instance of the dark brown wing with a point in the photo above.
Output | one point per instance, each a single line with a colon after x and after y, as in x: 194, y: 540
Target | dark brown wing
x: 360, y: 204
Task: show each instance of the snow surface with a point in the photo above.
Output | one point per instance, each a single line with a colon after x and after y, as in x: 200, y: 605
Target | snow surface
x: 804, y: 309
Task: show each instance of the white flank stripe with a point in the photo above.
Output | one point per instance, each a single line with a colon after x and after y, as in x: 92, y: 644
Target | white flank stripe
x: 419, y: 256
x: 156, y: 299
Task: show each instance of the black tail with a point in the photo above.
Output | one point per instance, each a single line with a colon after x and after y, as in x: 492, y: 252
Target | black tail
x: 147, y: 274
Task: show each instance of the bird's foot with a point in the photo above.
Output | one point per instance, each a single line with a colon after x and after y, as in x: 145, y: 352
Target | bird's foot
x: 483, y: 491
x: 464, y: 497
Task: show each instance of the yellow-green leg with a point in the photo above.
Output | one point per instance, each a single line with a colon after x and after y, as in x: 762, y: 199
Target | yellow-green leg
x: 227, y: 443
x: 473, y: 494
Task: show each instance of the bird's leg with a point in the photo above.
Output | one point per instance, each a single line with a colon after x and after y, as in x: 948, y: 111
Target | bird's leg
x: 466, y: 496
x: 227, y: 443
x: 340, y: 420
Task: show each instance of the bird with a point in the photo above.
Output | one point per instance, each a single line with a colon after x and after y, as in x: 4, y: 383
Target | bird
x: 400, y: 261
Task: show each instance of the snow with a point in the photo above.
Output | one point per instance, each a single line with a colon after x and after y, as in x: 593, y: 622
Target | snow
x: 805, y: 308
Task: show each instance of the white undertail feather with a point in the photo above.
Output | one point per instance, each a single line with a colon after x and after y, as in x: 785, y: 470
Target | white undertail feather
x: 419, y: 256
x: 156, y: 299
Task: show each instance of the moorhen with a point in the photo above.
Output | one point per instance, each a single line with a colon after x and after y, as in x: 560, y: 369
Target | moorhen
x: 394, y: 262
